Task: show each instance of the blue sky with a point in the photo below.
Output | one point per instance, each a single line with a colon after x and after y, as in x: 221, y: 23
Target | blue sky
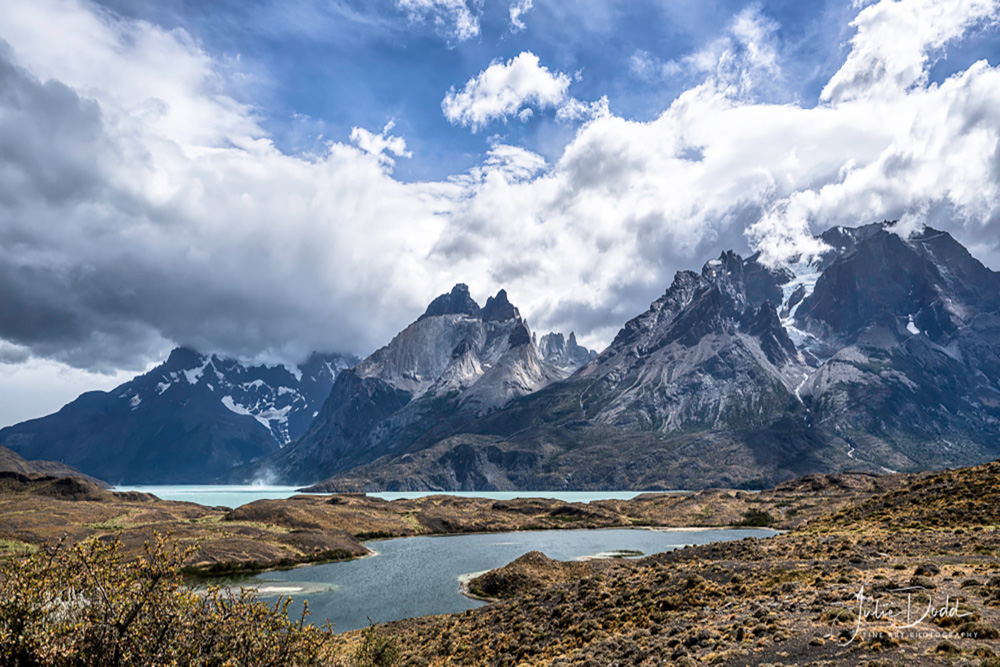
x: 314, y: 70
x: 263, y: 179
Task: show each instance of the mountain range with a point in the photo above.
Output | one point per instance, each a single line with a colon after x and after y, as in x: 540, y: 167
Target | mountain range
x: 456, y: 363
x: 189, y: 420
x: 881, y: 353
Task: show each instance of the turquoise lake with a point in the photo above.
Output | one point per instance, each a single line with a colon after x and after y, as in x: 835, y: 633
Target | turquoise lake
x: 417, y: 576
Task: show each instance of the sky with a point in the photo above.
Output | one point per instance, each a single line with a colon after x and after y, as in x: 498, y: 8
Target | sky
x: 264, y: 178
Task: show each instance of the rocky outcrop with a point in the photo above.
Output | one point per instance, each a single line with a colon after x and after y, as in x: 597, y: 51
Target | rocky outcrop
x: 564, y: 354
x: 16, y: 465
x: 456, y: 302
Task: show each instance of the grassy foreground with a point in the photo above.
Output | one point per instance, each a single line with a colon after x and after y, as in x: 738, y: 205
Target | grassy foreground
x: 861, y: 554
x: 929, y: 548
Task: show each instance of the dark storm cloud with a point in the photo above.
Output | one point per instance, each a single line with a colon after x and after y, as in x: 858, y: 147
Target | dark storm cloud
x: 47, y: 139
x: 96, y: 273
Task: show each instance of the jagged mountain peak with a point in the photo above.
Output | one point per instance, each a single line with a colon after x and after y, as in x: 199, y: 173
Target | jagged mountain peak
x: 562, y: 353
x: 716, y: 300
x: 459, y: 302
x: 727, y: 264
x: 183, y: 358
x: 877, y: 279
x: 456, y: 302
x: 463, y: 364
x: 499, y: 308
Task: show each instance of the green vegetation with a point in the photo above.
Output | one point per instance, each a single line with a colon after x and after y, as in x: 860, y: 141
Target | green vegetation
x: 377, y: 649
x: 757, y: 518
x: 86, y: 605
x: 15, y: 547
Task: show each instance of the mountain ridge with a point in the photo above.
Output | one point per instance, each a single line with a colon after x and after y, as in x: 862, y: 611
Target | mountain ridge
x: 456, y: 361
x: 880, y: 354
x: 188, y: 420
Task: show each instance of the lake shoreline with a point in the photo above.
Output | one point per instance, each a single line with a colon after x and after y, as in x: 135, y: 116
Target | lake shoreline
x: 234, y: 496
x: 426, y: 574
x: 277, y: 534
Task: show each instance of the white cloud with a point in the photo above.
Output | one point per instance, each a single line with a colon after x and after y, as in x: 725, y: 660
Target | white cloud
x: 454, y: 17
x: 505, y: 89
x: 380, y: 144
x: 510, y: 163
x: 575, y: 110
x: 517, y: 11
x: 743, y: 61
x: 895, y: 41
x: 141, y: 207
x: 647, y: 66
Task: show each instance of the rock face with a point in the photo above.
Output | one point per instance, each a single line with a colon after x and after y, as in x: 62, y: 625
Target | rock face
x: 882, y: 354
x: 189, y: 420
x: 453, y: 365
x: 564, y: 354
x: 912, y: 330
x: 705, y: 356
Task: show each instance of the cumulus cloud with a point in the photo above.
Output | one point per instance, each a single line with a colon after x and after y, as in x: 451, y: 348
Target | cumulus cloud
x: 895, y: 41
x: 517, y: 11
x: 575, y: 110
x: 141, y: 207
x: 505, y: 89
x: 454, y: 17
x: 378, y: 145
x: 511, y: 163
x: 932, y: 158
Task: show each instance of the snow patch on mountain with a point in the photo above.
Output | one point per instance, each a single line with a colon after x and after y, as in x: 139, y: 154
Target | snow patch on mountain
x: 233, y: 406
x: 194, y: 374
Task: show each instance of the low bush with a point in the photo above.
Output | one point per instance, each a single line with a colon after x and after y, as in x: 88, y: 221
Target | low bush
x: 756, y: 518
x: 88, y: 606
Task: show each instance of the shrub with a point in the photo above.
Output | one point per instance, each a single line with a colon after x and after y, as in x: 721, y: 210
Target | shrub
x: 377, y: 649
x: 87, y: 606
x: 757, y: 518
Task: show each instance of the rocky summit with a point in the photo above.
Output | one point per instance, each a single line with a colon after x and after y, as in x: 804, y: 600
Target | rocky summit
x: 189, y: 420
x: 455, y: 364
x: 881, y: 353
